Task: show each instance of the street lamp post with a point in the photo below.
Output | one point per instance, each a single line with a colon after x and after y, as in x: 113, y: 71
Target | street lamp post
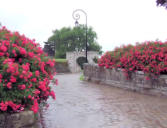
x: 76, y: 16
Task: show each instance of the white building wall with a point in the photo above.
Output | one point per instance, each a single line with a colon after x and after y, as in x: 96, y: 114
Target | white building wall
x: 72, y: 57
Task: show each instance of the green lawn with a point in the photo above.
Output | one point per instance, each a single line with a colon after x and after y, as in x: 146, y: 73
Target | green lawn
x: 60, y: 60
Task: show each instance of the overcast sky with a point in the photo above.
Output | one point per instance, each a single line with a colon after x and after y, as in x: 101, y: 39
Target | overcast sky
x: 116, y: 22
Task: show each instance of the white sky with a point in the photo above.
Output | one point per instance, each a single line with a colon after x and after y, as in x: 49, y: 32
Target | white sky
x: 116, y: 22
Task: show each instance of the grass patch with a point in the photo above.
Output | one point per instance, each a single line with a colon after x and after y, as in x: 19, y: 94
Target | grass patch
x: 60, y: 60
x: 81, y: 77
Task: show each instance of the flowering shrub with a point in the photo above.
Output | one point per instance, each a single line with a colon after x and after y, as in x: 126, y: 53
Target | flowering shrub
x: 25, y: 73
x: 149, y: 57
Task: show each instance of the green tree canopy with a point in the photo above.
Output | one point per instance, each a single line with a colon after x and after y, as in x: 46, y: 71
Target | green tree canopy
x: 73, y: 39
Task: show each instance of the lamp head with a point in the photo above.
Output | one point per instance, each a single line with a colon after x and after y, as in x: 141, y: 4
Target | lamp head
x: 76, y: 23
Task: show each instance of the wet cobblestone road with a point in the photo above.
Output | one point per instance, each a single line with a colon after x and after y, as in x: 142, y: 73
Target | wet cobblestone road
x: 81, y: 104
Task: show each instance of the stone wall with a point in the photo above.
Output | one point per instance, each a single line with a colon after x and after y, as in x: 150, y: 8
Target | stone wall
x: 137, y: 81
x: 24, y: 119
x: 62, y: 67
x: 72, y: 57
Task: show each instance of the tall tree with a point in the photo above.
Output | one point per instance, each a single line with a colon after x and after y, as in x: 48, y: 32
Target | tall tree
x: 162, y: 3
x: 49, y: 48
x: 73, y: 39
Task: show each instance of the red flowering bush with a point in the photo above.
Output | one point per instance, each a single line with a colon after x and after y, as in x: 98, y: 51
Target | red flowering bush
x: 149, y: 57
x: 25, y: 73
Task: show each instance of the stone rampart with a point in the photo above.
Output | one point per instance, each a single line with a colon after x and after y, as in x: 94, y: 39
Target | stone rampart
x: 116, y: 77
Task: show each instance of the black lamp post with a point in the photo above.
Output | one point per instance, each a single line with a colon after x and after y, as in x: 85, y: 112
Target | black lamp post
x: 76, y: 16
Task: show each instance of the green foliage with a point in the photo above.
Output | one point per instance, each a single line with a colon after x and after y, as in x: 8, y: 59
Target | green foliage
x: 95, y: 59
x: 81, y: 77
x: 60, y: 60
x: 73, y: 39
x: 49, y: 48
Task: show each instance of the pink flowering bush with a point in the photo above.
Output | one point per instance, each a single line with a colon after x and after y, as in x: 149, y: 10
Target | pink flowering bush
x: 25, y: 73
x: 149, y: 57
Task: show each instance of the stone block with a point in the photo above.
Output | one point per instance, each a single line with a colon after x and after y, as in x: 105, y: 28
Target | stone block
x: 17, y: 120
x: 2, y: 120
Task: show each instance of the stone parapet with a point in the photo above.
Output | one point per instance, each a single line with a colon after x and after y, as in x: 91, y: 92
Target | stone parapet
x: 24, y: 119
x: 136, y: 82
x: 62, y: 67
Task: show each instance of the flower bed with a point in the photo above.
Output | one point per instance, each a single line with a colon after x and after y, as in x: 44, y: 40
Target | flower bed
x: 149, y: 57
x: 25, y: 73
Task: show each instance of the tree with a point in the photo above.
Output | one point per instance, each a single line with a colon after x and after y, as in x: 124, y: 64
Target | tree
x: 49, y: 48
x: 73, y: 39
x: 162, y: 3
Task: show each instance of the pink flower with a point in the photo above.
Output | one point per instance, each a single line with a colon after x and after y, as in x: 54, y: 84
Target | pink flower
x: 14, y: 52
x: 51, y: 63
x: 9, y: 85
x: 26, y: 67
x: 3, y: 106
x: 21, y: 76
x: 0, y: 76
x: 8, y: 61
x: 52, y: 93
x: 30, y: 54
x: 12, y: 79
x: 37, y: 73
x: 56, y: 81
x: 30, y: 86
x: 29, y: 74
x: 7, y: 54
x: 3, y: 48
x: 42, y: 86
x: 35, y: 106
x: 43, y: 68
x: 1, y: 54
x: 51, y: 77
x: 15, y: 107
x: 36, y: 92
x: 22, y: 51
x: 29, y: 96
x: 34, y: 80
x: 20, y: 60
x: 22, y: 87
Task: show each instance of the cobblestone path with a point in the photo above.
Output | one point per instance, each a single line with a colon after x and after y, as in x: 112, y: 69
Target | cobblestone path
x: 81, y: 104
